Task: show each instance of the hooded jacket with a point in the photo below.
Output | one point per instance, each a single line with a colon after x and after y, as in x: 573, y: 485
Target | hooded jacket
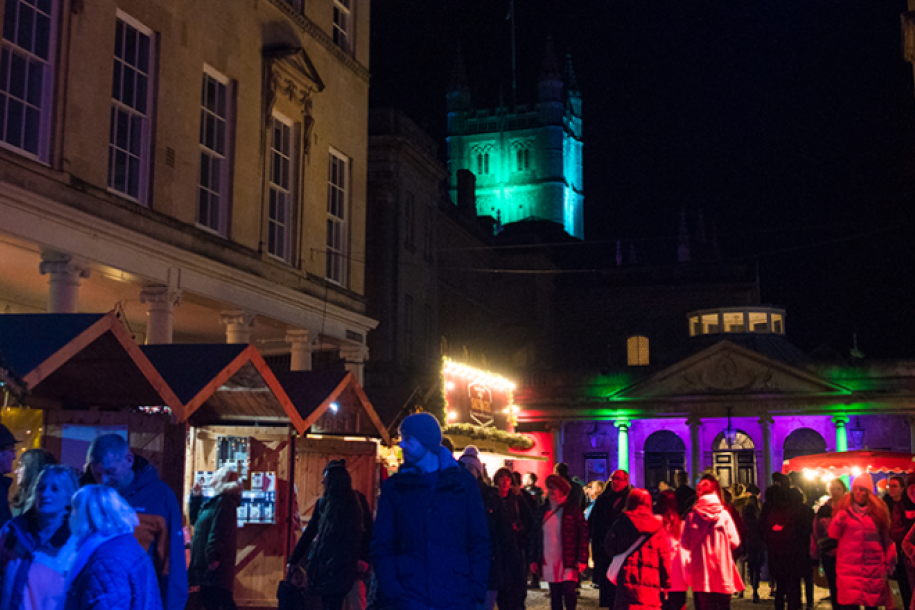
x: 864, y: 558
x: 431, y: 540
x: 646, y: 571
x: 161, y: 531
x: 215, y: 539
x: 34, y: 574
x: 710, y: 536
x: 116, y: 576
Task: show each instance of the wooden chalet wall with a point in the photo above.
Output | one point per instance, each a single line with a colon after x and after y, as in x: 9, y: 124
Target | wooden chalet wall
x: 313, y: 454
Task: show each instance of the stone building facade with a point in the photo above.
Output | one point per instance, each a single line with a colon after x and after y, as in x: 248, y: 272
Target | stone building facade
x: 201, y: 169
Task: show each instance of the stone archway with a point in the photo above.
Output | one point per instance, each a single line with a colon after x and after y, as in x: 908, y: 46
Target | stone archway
x: 803, y: 441
x: 665, y: 456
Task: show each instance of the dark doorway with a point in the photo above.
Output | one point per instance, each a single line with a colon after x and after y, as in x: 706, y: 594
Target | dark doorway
x: 665, y: 456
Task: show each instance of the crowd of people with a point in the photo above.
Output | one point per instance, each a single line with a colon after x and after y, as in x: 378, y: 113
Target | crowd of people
x: 448, y: 536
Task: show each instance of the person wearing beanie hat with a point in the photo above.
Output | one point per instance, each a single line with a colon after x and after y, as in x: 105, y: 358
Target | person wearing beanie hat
x: 431, y: 544
x: 866, y: 555
x: 470, y: 459
x: 558, y: 544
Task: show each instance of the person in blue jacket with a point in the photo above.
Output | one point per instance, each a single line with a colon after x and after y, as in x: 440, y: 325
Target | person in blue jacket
x: 431, y: 541
x: 160, y: 530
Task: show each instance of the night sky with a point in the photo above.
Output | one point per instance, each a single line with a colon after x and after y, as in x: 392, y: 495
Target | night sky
x: 790, y: 124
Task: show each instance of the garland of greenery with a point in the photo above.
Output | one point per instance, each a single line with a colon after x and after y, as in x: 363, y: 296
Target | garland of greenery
x: 515, y: 441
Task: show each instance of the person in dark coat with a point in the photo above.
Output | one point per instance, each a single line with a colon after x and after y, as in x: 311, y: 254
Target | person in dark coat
x: 900, y: 507
x: 7, y: 457
x: 607, y: 509
x: 519, y: 518
x: 753, y: 544
x: 786, y: 531
x: 111, y: 570
x: 213, y: 548
x: 431, y: 542
x: 558, y: 544
x: 686, y: 495
x: 333, y: 539
x: 500, y: 530
x: 646, y: 572
x: 577, y: 495
x: 31, y: 463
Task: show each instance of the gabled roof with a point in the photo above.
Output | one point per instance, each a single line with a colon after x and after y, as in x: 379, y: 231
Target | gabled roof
x: 223, y: 383
x: 726, y: 368
x: 80, y: 361
x: 313, y: 393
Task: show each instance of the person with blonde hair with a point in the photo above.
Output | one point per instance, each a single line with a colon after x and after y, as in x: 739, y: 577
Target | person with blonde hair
x: 37, y: 549
x: 213, y: 548
x: 866, y: 556
x: 111, y: 570
x: 31, y: 463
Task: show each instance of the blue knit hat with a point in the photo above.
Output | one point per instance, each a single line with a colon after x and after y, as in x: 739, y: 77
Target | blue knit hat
x: 424, y: 428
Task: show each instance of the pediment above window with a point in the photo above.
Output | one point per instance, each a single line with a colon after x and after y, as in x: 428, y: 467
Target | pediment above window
x: 291, y: 74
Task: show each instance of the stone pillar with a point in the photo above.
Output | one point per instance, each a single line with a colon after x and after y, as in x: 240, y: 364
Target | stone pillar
x: 63, y: 284
x: 841, y: 424
x: 238, y: 323
x: 559, y: 437
x: 622, y: 444
x: 299, y: 350
x: 765, y: 422
x: 355, y: 357
x: 695, y: 447
x: 162, y: 301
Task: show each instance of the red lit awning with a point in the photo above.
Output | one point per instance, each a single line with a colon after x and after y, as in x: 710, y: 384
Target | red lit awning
x: 846, y: 462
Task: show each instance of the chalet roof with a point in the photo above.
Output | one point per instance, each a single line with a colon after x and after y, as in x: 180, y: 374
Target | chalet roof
x: 314, y: 392
x: 79, y: 361
x: 223, y: 383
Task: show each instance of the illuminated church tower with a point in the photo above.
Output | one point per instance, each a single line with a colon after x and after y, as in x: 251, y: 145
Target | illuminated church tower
x: 527, y: 159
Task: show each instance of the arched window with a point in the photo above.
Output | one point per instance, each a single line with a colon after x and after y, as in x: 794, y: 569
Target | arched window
x: 479, y: 164
x: 637, y: 350
x: 486, y: 163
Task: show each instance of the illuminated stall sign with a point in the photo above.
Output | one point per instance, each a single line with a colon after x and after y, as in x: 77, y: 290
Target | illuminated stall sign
x: 477, y: 397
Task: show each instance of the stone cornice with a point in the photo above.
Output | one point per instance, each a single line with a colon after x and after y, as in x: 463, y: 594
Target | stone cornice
x: 311, y: 28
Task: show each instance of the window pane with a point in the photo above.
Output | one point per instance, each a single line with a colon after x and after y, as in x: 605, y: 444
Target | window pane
x: 133, y: 176
x: 130, y: 45
x: 143, y: 58
x: 14, y: 123
x: 120, y: 171
x: 35, y: 80
x: 9, y: 21
x: 119, y: 40
x: 141, y: 93
x: 42, y: 36
x: 127, y: 88
x: 32, y: 129
x: 17, y: 76
x: 205, y: 170
x: 26, y: 33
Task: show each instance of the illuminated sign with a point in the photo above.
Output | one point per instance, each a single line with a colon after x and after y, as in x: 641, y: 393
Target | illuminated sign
x: 477, y: 397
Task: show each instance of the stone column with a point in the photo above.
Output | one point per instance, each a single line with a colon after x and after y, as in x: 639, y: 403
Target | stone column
x: 162, y: 301
x: 238, y: 323
x: 63, y: 284
x: 765, y: 422
x: 559, y: 434
x: 355, y: 357
x: 841, y: 424
x: 299, y: 350
x: 622, y: 444
x: 695, y: 447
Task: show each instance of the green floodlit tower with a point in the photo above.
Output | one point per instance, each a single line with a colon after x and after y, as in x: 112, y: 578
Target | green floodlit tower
x: 527, y: 159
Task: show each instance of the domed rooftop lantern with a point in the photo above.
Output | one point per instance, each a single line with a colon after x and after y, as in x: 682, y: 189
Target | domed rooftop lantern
x: 756, y: 319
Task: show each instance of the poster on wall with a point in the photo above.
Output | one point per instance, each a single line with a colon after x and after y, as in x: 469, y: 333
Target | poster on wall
x: 596, y: 467
x: 75, y: 441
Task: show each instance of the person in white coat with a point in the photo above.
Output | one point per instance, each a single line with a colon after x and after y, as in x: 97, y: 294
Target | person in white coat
x: 710, y: 536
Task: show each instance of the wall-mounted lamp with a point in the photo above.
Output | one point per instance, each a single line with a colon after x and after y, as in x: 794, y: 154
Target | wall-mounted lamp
x: 730, y: 435
x: 856, y: 433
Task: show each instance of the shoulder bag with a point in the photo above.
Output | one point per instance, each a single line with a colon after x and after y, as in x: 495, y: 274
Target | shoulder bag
x: 618, y: 560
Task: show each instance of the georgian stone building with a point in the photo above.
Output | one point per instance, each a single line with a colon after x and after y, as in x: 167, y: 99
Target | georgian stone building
x: 203, y: 170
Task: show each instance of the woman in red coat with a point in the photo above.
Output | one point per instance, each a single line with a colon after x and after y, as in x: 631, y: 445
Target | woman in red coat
x: 646, y: 571
x: 866, y: 556
x: 558, y: 548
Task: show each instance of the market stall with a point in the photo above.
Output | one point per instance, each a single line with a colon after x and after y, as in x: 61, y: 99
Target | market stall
x: 81, y: 375
x: 342, y: 424
x: 239, y: 415
x: 850, y: 463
